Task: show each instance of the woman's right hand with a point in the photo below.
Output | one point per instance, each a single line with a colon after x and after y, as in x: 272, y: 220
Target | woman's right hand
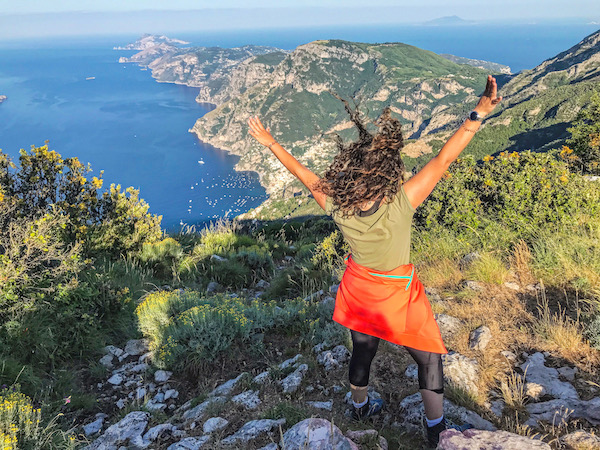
x: 489, y: 99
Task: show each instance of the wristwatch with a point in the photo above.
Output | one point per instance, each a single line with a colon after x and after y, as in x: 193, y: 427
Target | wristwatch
x: 474, y: 115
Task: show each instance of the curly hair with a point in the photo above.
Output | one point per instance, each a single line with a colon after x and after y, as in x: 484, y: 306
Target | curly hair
x: 368, y: 169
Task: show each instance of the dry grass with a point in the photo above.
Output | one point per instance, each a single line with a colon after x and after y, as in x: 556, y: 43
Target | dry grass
x: 521, y: 263
x: 513, y: 391
x: 489, y: 269
x: 441, y: 274
x: 557, y: 332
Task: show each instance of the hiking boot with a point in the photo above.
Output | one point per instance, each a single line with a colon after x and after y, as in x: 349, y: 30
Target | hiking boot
x: 371, y: 408
x: 433, y: 433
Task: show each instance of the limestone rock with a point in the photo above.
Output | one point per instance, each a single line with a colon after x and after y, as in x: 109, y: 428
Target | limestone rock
x: 162, y: 376
x: 116, y: 379
x: 468, y: 259
x: 115, y: 351
x: 567, y: 372
x: 155, y: 432
x: 474, y: 285
x: 366, y: 437
x: 106, y: 361
x: 130, y: 428
x: 212, y: 287
x: 262, y: 284
x: 291, y: 383
x: 328, y: 406
x: 93, y: 427
x: 537, y: 372
x: 480, y: 338
x: 334, y: 358
x: 481, y: 439
x: 448, y: 325
x: 581, y: 439
x: 412, y: 372
x: 197, y: 413
x: 261, y: 378
x: 227, y: 387
x: 190, y: 443
x: 171, y: 393
x: 248, y: 399
x: 214, y: 424
x: 557, y: 410
x: 251, y: 430
x: 136, y: 347
x: 461, y: 371
x: 316, y: 434
x: 292, y: 362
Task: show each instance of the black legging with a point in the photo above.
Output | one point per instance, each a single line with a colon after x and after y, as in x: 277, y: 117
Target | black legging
x: 364, y: 349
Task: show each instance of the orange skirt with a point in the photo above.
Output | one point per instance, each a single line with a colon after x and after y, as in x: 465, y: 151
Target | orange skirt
x: 389, y: 305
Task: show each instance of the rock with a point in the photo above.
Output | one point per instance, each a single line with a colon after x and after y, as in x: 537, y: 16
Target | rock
x: 580, y: 440
x: 474, y: 285
x: 227, y: 387
x: 171, y: 393
x: 468, y: 259
x: 333, y: 359
x: 198, y: 412
x: 480, y: 338
x: 123, y: 356
x: 448, y: 325
x: 112, y: 350
x: 414, y: 413
x: 510, y: 356
x: 116, y: 379
x: 155, y: 432
x: 316, y: 434
x: 271, y: 446
x: 534, y: 390
x: 130, y: 428
x: 214, y: 424
x: 555, y: 411
x: 213, y: 286
x: 136, y: 347
x: 160, y: 397
x: 315, y: 296
x: 93, y: 427
x: 140, y: 393
x: 190, y: 443
x: 367, y: 437
x: 513, y: 286
x: 248, y: 399
x: 334, y: 288
x: 291, y: 383
x: 262, y: 377
x: 536, y: 372
x: 262, y: 284
x: 567, y: 372
x: 139, y: 368
x: 432, y: 295
x: 120, y: 403
x: 328, y: 406
x: 320, y: 347
x: 412, y: 372
x: 481, y: 439
x: 218, y: 258
x: 292, y: 362
x: 145, y: 357
x: 251, y: 430
x: 461, y: 371
x: 154, y: 405
x: 106, y: 361
x: 162, y: 376
x: 337, y: 389
x: 497, y: 407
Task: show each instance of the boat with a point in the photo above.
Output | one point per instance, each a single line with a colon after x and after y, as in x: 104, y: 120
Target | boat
x: 90, y: 78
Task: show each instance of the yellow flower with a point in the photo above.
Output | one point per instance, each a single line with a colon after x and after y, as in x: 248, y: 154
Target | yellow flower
x: 488, y: 158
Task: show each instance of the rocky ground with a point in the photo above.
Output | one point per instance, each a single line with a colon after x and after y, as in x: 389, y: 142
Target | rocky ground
x: 300, y: 399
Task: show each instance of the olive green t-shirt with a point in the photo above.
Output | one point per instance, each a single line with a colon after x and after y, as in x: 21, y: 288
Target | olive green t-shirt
x: 380, y: 241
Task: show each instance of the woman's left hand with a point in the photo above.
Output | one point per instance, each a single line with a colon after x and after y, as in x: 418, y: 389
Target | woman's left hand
x: 258, y: 132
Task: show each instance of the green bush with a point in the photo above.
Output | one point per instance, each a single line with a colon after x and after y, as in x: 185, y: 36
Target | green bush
x: 162, y: 256
x: 585, y: 138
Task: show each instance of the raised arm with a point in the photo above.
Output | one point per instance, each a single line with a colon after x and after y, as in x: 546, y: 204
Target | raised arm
x: 308, y: 178
x: 420, y: 186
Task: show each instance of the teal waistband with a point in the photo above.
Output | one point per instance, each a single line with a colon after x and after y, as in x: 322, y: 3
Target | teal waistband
x: 406, y: 277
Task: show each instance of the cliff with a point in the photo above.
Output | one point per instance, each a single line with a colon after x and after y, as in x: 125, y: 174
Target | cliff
x: 149, y: 40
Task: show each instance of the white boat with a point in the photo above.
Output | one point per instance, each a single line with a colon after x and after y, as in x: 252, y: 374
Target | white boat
x: 90, y: 78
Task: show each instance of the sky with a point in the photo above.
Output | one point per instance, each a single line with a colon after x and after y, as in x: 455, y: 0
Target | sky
x: 31, y: 18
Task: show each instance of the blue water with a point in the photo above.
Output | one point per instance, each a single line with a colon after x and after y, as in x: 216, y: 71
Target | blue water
x: 136, y: 130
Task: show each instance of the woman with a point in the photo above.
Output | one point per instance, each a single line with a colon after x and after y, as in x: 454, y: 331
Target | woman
x: 380, y: 296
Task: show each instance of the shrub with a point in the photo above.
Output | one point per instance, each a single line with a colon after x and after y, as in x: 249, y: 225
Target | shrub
x: 585, y: 138
x: 162, y: 256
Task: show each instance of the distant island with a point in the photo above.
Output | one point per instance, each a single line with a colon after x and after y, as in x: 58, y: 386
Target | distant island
x: 2, y: 98
x: 449, y: 21
x: 149, y: 40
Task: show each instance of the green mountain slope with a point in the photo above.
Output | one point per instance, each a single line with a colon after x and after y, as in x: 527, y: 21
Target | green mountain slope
x: 295, y: 100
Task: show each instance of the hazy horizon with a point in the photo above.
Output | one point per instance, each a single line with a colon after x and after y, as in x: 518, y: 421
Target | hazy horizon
x: 21, y: 21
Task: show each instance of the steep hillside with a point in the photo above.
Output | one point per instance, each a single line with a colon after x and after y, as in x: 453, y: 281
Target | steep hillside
x: 295, y: 100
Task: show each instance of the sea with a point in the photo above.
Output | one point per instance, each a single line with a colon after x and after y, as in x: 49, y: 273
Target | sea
x: 74, y: 94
